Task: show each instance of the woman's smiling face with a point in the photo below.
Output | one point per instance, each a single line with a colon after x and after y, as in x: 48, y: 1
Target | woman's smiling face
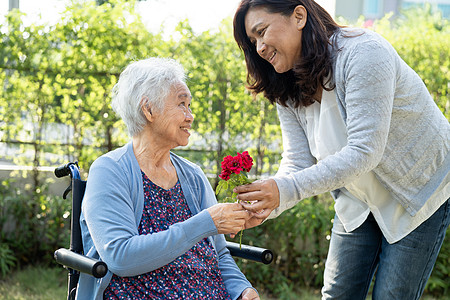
x: 174, y: 122
x: 277, y: 38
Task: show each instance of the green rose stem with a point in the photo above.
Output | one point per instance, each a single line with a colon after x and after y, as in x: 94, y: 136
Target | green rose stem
x: 240, y: 239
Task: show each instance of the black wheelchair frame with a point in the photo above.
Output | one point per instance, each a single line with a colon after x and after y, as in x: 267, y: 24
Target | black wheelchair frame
x: 74, y: 260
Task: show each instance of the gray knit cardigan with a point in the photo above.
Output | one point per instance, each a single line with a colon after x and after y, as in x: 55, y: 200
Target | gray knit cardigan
x: 394, y: 129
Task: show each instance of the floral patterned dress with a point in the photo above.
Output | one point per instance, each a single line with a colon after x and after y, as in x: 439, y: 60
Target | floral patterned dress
x: 193, y: 275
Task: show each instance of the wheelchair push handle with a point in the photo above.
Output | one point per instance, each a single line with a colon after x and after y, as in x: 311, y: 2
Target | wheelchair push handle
x: 71, y: 169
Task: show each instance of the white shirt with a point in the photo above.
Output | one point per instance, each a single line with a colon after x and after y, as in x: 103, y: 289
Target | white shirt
x: 327, y: 134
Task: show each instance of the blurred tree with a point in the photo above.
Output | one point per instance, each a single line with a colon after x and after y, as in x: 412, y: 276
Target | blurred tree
x: 64, y: 74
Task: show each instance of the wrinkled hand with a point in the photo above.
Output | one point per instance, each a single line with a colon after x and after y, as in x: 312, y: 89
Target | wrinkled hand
x: 263, y: 196
x: 253, y: 221
x: 249, y: 294
x: 229, y: 218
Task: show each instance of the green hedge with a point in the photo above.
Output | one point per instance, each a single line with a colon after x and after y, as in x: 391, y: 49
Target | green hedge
x: 32, y: 226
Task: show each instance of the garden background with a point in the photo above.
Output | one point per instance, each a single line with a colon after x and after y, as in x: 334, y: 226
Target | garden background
x: 55, y: 107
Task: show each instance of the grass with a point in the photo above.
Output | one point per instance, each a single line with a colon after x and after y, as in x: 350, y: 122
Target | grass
x: 43, y: 283
x: 35, y: 283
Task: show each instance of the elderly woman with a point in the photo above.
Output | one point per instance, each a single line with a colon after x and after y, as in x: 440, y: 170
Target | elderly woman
x: 151, y: 215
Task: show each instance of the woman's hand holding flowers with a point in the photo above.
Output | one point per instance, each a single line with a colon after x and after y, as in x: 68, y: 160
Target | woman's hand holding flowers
x: 260, y: 197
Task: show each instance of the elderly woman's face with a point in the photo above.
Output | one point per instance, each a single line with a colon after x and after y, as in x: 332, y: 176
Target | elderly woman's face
x: 277, y: 38
x: 175, y: 120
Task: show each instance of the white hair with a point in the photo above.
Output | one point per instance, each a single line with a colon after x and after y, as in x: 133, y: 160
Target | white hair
x: 143, y: 82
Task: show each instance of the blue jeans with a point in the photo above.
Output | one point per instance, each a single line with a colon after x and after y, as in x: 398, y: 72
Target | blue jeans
x: 402, y: 268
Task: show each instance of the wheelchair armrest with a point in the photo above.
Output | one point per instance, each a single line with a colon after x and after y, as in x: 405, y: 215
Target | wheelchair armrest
x: 250, y: 252
x: 81, y: 263
x: 99, y: 269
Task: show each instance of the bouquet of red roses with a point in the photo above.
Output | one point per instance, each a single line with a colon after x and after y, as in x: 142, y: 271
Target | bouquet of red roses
x: 234, y: 173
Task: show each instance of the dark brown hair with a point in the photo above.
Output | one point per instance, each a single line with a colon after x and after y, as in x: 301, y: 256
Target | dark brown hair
x: 301, y: 83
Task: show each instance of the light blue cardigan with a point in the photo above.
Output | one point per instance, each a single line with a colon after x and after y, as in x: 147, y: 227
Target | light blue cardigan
x: 111, y: 212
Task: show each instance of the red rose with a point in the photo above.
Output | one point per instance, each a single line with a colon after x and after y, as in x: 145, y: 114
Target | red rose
x: 224, y: 175
x: 235, y: 164
x: 232, y: 164
x: 247, y: 161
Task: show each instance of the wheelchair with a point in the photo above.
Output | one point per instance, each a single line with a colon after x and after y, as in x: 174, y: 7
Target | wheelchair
x: 74, y: 260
